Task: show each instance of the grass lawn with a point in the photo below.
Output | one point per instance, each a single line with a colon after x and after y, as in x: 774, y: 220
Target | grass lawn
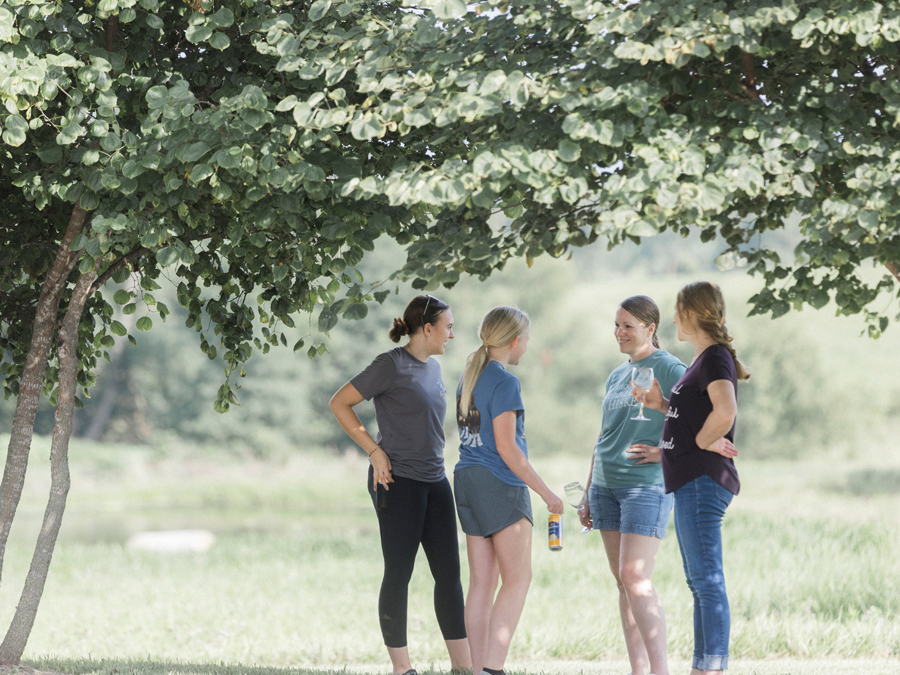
x: 292, y: 581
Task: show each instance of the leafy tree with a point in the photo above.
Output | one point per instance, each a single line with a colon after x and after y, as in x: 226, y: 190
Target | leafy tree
x: 250, y: 151
x: 589, y: 119
x: 159, y: 140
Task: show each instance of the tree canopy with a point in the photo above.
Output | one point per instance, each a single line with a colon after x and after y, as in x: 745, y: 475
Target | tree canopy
x: 589, y: 119
x: 258, y: 148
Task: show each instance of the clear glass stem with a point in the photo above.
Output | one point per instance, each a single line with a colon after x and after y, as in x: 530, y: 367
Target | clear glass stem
x: 584, y: 528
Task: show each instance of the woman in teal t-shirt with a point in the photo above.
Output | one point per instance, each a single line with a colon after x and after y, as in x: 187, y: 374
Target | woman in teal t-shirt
x: 626, y: 498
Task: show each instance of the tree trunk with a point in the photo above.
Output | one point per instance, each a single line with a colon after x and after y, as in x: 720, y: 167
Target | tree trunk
x: 32, y: 382
x: 19, y: 630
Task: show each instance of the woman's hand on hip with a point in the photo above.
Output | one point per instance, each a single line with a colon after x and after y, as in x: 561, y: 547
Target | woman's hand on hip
x: 644, y: 454
x: 723, y: 447
x: 381, y: 469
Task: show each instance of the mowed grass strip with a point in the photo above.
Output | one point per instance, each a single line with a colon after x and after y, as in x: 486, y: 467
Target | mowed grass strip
x: 293, y: 579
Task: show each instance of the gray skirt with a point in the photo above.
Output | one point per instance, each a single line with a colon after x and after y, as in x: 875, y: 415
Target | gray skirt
x: 486, y: 504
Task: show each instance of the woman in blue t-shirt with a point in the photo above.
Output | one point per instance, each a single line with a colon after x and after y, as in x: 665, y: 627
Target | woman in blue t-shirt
x: 698, y: 462
x: 626, y: 498
x: 407, y: 482
x: 491, y: 482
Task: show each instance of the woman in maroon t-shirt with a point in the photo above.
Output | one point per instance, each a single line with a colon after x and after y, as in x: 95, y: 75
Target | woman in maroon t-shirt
x: 698, y: 465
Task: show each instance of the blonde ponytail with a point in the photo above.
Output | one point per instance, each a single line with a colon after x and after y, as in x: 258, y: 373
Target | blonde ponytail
x: 499, y: 328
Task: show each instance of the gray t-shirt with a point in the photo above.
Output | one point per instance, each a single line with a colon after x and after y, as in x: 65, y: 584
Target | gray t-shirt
x: 410, y: 403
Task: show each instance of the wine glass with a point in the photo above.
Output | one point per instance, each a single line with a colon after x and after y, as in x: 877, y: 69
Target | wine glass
x: 575, y: 496
x: 642, y: 379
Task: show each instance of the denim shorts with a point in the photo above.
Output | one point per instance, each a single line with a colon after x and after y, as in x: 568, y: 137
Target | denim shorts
x: 638, y: 510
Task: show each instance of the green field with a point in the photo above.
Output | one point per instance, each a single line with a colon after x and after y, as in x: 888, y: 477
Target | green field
x: 292, y: 582
x: 293, y: 578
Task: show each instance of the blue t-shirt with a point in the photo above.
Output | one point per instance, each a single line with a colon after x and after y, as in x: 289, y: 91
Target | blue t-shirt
x: 495, y: 393
x: 613, y: 466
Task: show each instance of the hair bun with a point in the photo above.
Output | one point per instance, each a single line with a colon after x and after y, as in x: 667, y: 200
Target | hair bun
x: 398, y: 330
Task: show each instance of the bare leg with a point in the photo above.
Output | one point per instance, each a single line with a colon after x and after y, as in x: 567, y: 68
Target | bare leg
x: 512, y: 547
x: 460, y: 658
x: 697, y: 671
x: 399, y: 659
x: 483, y: 577
x: 637, y: 557
x: 634, y: 643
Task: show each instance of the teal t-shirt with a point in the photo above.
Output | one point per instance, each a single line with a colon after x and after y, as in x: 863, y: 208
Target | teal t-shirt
x: 613, y: 467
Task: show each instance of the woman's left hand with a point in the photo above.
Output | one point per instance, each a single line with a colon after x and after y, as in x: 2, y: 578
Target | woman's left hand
x: 723, y: 447
x: 644, y: 454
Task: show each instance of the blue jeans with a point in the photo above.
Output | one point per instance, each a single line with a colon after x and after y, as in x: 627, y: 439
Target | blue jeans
x: 699, y: 508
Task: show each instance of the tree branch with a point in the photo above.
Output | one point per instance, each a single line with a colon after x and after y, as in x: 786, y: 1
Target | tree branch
x: 112, y: 27
x: 116, y: 266
x: 749, y: 85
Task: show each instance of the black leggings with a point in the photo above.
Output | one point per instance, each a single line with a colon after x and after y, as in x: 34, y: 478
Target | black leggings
x: 419, y: 513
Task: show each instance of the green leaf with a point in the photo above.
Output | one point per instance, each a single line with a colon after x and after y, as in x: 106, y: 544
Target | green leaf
x: 449, y: 9
x: 319, y: 9
x: 167, y: 256
x: 693, y: 161
x: 364, y: 128
x: 356, y: 311
x: 16, y: 128
x: 418, y: 118
x: 198, y: 34
x: 219, y: 41
x: 191, y: 153
x: 7, y: 25
x: 157, y: 97
x: 118, y: 329
x: 144, y: 323
x: 480, y: 251
x: 568, y: 151
x: 328, y: 319
x: 122, y: 297
x: 223, y: 18
x: 50, y: 153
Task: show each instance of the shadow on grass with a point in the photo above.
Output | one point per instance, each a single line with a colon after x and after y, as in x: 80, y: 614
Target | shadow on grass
x: 870, y: 482
x: 52, y: 666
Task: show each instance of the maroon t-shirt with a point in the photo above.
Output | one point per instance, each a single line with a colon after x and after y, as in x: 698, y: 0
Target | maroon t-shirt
x: 689, y: 406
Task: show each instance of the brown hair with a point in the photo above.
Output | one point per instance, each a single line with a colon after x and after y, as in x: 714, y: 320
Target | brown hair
x: 421, y: 309
x: 644, y: 310
x: 706, y: 304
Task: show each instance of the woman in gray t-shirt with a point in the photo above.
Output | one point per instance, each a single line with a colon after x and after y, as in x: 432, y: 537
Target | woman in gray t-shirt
x: 407, y: 482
